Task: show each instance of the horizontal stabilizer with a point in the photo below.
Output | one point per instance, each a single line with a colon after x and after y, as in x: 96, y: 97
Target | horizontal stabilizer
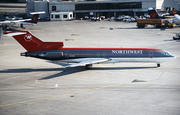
x: 14, y: 34
x: 37, y: 12
x: 150, y: 8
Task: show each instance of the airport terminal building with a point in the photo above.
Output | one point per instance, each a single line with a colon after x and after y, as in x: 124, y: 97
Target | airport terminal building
x: 107, y: 8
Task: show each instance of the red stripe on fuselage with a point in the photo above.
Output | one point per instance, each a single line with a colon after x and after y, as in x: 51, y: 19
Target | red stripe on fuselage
x: 147, y: 49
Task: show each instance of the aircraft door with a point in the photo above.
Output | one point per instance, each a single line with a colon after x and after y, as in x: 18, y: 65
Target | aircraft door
x: 151, y: 54
x: 104, y: 54
x: 66, y: 54
x: 98, y: 54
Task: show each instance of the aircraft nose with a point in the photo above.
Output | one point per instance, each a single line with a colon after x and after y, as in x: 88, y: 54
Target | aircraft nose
x: 174, y: 57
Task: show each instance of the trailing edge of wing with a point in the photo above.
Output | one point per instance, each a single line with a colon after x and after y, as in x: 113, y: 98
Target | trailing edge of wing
x: 59, y: 63
x: 90, y: 61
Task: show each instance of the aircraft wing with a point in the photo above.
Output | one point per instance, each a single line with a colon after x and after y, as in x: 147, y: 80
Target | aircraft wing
x: 14, y: 21
x: 177, y: 16
x: 9, y: 23
x: 5, y: 22
x: 89, y: 61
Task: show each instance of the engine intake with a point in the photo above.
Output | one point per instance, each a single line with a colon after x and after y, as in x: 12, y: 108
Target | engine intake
x: 24, y: 54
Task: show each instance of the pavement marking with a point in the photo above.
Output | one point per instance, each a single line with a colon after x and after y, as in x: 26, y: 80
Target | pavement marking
x: 38, y: 82
x: 92, y: 30
x: 160, y: 75
x: 77, y: 43
x: 64, y: 94
x: 56, y: 85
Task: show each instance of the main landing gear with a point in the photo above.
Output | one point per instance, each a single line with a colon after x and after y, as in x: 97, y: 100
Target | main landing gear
x: 158, y: 65
x: 88, y: 66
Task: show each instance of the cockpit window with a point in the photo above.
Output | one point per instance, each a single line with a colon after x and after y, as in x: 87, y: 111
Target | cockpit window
x: 167, y: 53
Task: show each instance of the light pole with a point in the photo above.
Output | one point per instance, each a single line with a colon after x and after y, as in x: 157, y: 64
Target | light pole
x: 178, y: 8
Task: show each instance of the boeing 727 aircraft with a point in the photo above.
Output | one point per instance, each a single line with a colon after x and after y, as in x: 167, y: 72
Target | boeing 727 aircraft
x: 55, y: 51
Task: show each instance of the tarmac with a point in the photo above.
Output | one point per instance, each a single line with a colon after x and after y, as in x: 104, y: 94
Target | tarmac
x: 33, y: 86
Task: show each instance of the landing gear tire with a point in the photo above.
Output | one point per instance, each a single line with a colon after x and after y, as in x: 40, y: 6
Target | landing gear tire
x: 88, y: 66
x: 158, y: 65
x: 22, y: 26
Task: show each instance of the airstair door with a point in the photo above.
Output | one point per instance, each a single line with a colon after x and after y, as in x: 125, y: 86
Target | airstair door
x: 151, y: 54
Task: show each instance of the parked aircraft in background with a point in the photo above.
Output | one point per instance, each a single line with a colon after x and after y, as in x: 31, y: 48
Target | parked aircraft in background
x: 154, y: 15
x: 55, y: 51
x: 21, y: 23
x: 176, y: 19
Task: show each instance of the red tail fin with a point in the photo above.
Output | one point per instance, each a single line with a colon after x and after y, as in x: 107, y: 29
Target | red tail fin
x: 35, y: 18
x: 32, y: 43
x: 153, y: 13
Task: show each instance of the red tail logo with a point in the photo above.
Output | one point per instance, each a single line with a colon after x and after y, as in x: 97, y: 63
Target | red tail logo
x: 28, y: 37
x: 153, y: 15
x: 35, y: 19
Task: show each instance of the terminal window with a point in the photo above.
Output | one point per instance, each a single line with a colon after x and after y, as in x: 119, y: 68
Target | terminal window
x: 108, y: 6
x: 64, y: 16
x: 57, y: 16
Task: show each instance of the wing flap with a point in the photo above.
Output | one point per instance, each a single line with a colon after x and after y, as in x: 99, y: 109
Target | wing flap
x: 59, y: 63
x: 90, y: 61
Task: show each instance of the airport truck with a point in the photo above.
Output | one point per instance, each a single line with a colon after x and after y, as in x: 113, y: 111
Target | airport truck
x: 177, y: 37
x: 158, y: 23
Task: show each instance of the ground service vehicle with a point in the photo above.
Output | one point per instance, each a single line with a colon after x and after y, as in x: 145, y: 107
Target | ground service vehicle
x: 158, y: 23
x: 177, y: 37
